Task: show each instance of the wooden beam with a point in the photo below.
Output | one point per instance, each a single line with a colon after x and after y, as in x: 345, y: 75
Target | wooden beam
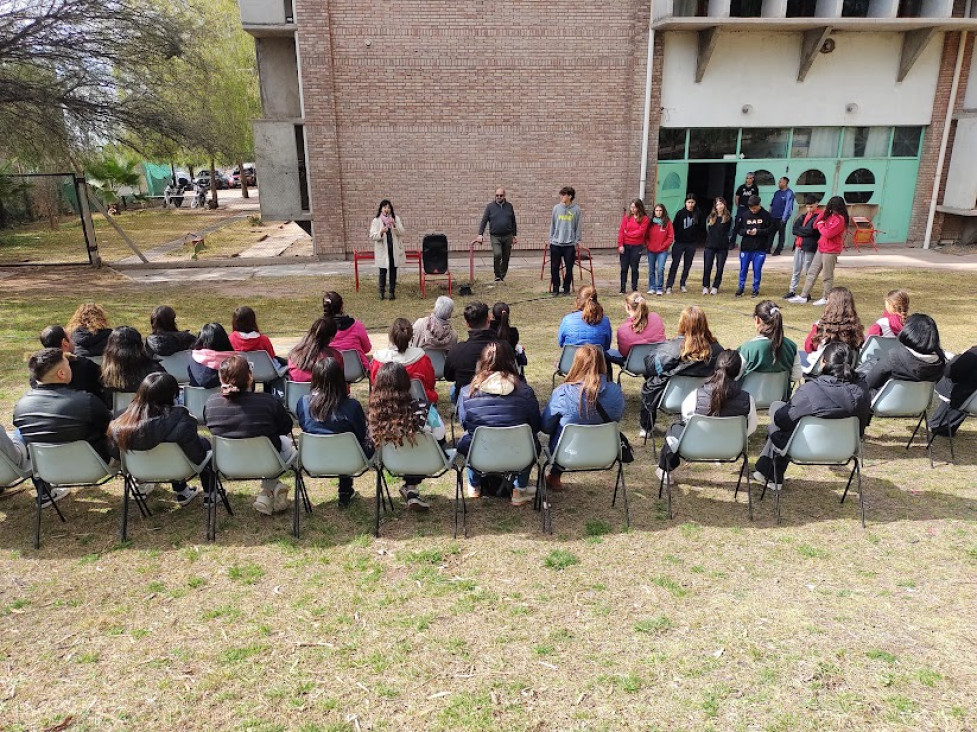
x: 707, y: 44
x: 810, y: 48
x: 914, y: 42
x: 108, y: 217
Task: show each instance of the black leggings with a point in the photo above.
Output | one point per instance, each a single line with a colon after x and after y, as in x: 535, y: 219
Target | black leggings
x: 631, y: 260
x: 708, y: 257
x: 685, y: 252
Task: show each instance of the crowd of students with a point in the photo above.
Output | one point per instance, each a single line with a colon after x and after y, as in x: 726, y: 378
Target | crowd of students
x: 71, y: 396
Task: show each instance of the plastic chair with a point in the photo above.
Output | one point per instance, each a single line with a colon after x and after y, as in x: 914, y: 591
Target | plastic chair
x: 767, y: 387
x: 352, y: 367
x: 565, y: 363
x: 66, y: 465
x: 712, y: 440
x: 425, y: 458
x: 437, y: 361
x: 264, y: 369
x: 96, y: 359
x: 875, y: 347
x: 677, y: 388
x: 634, y: 364
x: 969, y: 408
x: 165, y: 463
x: 195, y: 398
x: 326, y: 456
x: 904, y: 399
x: 819, y: 441
x: 417, y: 390
x: 295, y: 390
x: 121, y: 401
x: 177, y: 365
x: 504, y: 451
x: 249, y: 458
x: 584, y: 448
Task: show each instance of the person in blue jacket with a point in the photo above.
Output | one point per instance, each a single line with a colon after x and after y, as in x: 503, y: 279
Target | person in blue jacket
x: 586, y: 324
x: 575, y: 401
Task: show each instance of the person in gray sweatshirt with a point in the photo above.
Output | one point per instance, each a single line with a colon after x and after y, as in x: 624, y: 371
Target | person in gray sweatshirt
x: 564, y: 238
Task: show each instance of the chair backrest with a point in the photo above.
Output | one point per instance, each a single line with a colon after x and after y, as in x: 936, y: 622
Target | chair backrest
x: 899, y: 398
x: 247, y: 458
x: 437, y: 361
x: 566, y: 360
x: 766, y: 388
x: 194, y: 399
x: 295, y: 390
x: 70, y: 463
x: 121, y: 400
x: 635, y: 362
x: 10, y: 473
x: 423, y: 458
x: 970, y: 406
x: 824, y: 441
x: 96, y: 359
x: 177, y: 364
x: 328, y: 456
x: 165, y: 463
x: 712, y: 438
x: 588, y: 446
x: 263, y: 369
x: 875, y: 347
x: 417, y: 390
x: 677, y: 388
x: 352, y: 367
x: 502, y: 449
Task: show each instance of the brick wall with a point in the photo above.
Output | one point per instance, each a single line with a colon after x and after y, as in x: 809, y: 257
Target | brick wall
x: 435, y: 104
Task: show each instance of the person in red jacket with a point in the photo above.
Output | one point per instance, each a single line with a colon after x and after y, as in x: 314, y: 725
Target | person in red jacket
x: 661, y: 235
x: 412, y: 358
x: 832, y: 225
x: 896, y: 312
x: 632, y: 239
x: 245, y: 336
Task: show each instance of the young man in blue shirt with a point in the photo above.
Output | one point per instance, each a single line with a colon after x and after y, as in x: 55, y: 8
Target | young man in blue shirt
x: 781, y: 208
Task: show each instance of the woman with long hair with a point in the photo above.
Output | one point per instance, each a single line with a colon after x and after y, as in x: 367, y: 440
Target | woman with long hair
x: 632, y: 242
x: 386, y: 233
x: 687, y: 226
x: 329, y: 410
x: 166, y: 339
x: 692, y: 352
x: 497, y: 397
x: 153, y: 418
x: 245, y: 335
x: 417, y: 363
x: 720, y: 396
x: 351, y: 334
x: 896, y: 311
x: 661, y: 236
x: 586, y: 324
x: 434, y: 332
x: 838, y: 322
x: 207, y: 354
x: 640, y: 327
x: 770, y: 351
x: 125, y: 362
x: 239, y: 412
x: 718, y: 224
x: 831, y: 226
x: 500, y: 323
x: 396, y: 418
x: 314, y: 347
x: 575, y: 401
x: 919, y: 356
x: 89, y: 330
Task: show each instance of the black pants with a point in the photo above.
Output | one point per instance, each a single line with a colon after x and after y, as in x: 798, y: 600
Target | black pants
x: 734, y: 229
x: 631, y: 260
x: 393, y: 268
x: 780, y: 227
x: 709, y: 257
x: 567, y: 255
x: 667, y: 458
x: 685, y: 252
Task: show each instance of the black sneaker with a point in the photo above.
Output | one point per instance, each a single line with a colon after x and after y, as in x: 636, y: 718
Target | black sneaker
x: 185, y: 497
x: 789, y: 295
x: 555, y: 293
x: 346, y: 499
x: 383, y: 296
x: 498, y: 279
x: 739, y: 293
x: 756, y: 293
x: 393, y: 296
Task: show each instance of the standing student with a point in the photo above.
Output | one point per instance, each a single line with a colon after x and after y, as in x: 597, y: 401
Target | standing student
x: 501, y: 220
x: 717, y: 245
x: 661, y: 235
x: 641, y: 327
x: 781, y: 209
x: 386, y: 233
x: 632, y: 240
x: 755, y: 226
x: 831, y: 225
x: 805, y: 243
x: 741, y: 200
x: 564, y: 238
x: 896, y: 312
x: 686, y: 226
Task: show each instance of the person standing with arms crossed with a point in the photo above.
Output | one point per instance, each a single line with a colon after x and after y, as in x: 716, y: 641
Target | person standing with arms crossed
x: 831, y: 226
x: 687, y: 225
x: 781, y: 209
x: 741, y: 201
x: 564, y: 238
x: 501, y: 220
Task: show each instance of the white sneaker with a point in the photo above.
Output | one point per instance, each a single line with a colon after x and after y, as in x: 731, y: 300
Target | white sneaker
x: 652, y: 292
x: 144, y: 489
x: 705, y: 290
x: 668, y: 290
x: 799, y: 300
x: 520, y: 497
x: 820, y: 303
x: 659, y: 293
x: 264, y: 503
x: 660, y: 474
x: 56, y: 495
x: 280, y: 498
x: 642, y: 433
x: 471, y: 491
x: 714, y: 291
x: 684, y: 289
x: 762, y: 480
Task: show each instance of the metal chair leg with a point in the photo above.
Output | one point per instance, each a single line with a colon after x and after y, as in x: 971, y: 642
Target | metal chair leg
x: 848, y: 484
x: 668, y: 492
x: 124, y: 519
x: 749, y: 487
x: 624, y: 494
x: 913, y: 436
x: 379, y: 498
x: 929, y: 442
x: 296, y: 510
x: 861, y: 494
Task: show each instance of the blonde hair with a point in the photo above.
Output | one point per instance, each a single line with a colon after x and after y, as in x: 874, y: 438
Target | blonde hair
x: 90, y: 316
x: 694, y: 326
x: 897, y: 301
x: 588, y: 366
x: 637, y: 305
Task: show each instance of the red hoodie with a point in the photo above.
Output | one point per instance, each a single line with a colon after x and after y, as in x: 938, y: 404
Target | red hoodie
x: 832, y: 231
x: 888, y: 326
x: 660, y: 238
x: 632, y: 232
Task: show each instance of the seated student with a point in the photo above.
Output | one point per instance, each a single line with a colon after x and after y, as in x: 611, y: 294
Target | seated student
x: 207, y: 354
x: 586, y: 324
x: 153, y: 418
x: 918, y: 358
x: 53, y: 412
x: 417, y: 363
x: 576, y: 401
x: 692, y: 352
x: 497, y: 397
x: 12, y: 445
x: 89, y: 330
x: 434, y: 332
x: 395, y: 417
x: 838, y: 322
x: 720, y: 396
x: 238, y: 412
x: 125, y: 363
x: 351, y: 334
x: 500, y: 323
x: 769, y: 351
x: 245, y: 336
x: 314, y: 346
x: 896, y: 312
x: 642, y: 326
x: 166, y: 339
x: 954, y: 390
x: 838, y: 392
x: 328, y: 410
x: 86, y: 375
x: 462, y: 359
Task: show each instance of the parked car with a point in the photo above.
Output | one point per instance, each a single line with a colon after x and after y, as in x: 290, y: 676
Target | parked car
x: 249, y: 175
x: 203, y: 178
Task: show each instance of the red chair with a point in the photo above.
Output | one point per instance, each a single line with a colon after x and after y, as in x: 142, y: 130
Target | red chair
x: 862, y: 233
x: 584, y: 260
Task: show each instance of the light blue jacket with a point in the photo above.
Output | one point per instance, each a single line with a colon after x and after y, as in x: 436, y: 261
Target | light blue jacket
x: 575, y: 331
x: 564, y: 408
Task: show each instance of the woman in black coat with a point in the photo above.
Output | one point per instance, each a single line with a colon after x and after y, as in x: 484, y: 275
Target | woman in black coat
x: 919, y: 356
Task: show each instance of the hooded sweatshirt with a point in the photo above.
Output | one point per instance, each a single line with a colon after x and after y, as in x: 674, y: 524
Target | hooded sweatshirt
x: 906, y: 364
x: 660, y: 236
x: 501, y: 401
x: 203, y: 367
x: 168, y: 343
x: 351, y: 336
x: 633, y: 232
x: 825, y: 397
x: 414, y: 360
x: 434, y: 333
x: 253, y: 341
x: 888, y: 326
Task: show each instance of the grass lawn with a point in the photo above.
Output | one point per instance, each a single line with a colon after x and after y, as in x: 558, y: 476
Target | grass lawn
x: 706, y: 621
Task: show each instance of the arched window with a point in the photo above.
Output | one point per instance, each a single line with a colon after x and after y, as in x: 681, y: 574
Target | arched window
x: 672, y: 182
x: 859, y: 179
x: 811, y: 177
x: 764, y: 178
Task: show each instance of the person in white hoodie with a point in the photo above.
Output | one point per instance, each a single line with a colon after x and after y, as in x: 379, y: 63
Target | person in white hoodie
x: 412, y: 358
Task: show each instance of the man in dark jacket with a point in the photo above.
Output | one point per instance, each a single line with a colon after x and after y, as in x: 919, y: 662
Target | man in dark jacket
x: 86, y: 375
x: 741, y: 199
x: 805, y: 242
x: 755, y: 226
x: 954, y: 390
x: 501, y: 220
x: 462, y: 359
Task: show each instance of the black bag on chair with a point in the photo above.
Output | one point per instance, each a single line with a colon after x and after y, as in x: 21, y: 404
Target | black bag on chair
x: 434, y: 254
x: 627, y: 453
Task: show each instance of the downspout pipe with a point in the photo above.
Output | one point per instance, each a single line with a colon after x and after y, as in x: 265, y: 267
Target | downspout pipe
x: 646, y: 127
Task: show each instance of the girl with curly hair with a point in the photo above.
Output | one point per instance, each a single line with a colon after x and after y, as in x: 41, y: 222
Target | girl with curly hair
x: 89, y: 330
x: 839, y: 322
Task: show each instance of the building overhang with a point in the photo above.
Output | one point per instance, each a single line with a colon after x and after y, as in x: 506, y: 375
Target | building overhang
x: 270, y: 30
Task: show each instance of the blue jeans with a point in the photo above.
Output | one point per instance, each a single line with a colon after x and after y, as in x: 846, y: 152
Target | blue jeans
x: 656, y: 270
x: 756, y: 259
x: 521, y: 481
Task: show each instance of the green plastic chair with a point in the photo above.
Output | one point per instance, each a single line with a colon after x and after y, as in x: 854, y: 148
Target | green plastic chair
x: 565, y: 363
x: 425, y: 458
x: 875, y: 347
x: 898, y: 399
x: 676, y: 390
x: 326, y: 456
x: 195, y: 398
x: 969, y: 408
x: 437, y: 361
x: 767, y: 388
x: 634, y: 364
x: 352, y: 367
x: 121, y: 401
x: 295, y: 390
x: 177, y: 365
x: 264, y: 369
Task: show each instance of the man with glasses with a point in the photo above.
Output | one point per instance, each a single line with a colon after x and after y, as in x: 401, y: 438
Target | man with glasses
x: 501, y: 220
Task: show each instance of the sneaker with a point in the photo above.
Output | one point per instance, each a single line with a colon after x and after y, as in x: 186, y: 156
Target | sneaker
x: 414, y: 503
x: 789, y: 295
x: 659, y: 293
x: 393, y: 295
x: 520, y: 497
x: 820, y: 303
x: 144, y: 489
x: 756, y: 293
x: 652, y: 292
x: 799, y: 300
x: 264, y: 503
x: 347, y: 498
x: 668, y: 290
x: 212, y: 497
x: 555, y: 293
x: 623, y: 291
x: 55, y: 495
x: 280, y: 498
x: 472, y: 492
x: 739, y: 293
x: 660, y: 474
x: 764, y: 480
x: 498, y: 279
x: 383, y: 296
x: 186, y: 496
x: 714, y: 291
x: 554, y: 483
x: 705, y: 290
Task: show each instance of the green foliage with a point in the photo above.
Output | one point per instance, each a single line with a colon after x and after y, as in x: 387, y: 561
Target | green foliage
x: 560, y: 559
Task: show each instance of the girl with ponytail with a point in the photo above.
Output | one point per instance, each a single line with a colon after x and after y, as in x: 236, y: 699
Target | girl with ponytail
x: 586, y: 324
x: 770, y: 351
x: 642, y: 326
x: 500, y: 323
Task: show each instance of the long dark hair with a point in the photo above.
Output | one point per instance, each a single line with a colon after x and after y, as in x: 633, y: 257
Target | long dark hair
x: 212, y: 337
x: 836, y: 361
x: 921, y: 335
x: 729, y: 363
x: 386, y: 202
x: 163, y: 320
x: 836, y: 205
x: 328, y: 389
x: 124, y: 355
x: 500, y: 314
x: 391, y: 414
x: 771, y: 325
x: 332, y: 304
x: 155, y: 396
x: 306, y: 352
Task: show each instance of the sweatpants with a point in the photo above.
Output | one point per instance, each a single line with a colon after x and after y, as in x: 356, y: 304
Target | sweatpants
x: 685, y: 252
x: 821, y: 262
x: 756, y: 259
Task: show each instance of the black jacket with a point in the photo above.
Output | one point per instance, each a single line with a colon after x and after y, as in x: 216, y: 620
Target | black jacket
x: 348, y: 417
x: 513, y: 340
x: 85, y: 376
x: 460, y: 363
x: 717, y: 235
x: 664, y: 363
x: 166, y: 344
x: 88, y: 343
x: 804, y: 228
x: 901, y: 363
x: 201, y: 375
x: 56, y: 413
x: 174, y: 425
x: 960, y: 381
x: 825, y: 397
x: 501, y: 219
x: 251, y: 414
x: 761, y: 221
x: 687, y: 227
